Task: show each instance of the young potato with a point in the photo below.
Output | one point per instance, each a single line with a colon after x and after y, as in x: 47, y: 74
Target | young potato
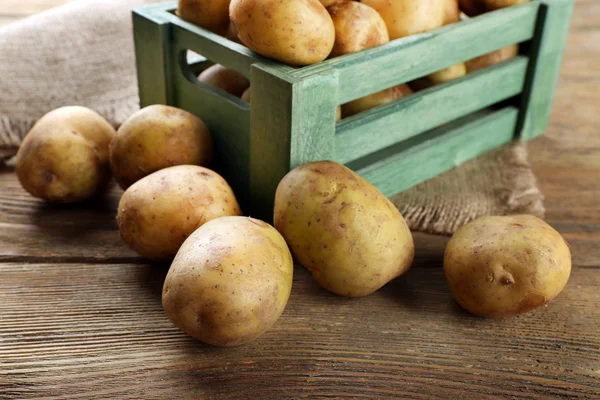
x: 407, y: 17
x: 504, y: 266
x: 475, y: 7
x: 229, y: 282
x: 64, y: 158
x: 342, y: 229
x: 442, y: 76
x: 328, y: 3
x: 375, y: 100
x: 209, y: 14
x: 232, y: 33
x: 492, y: 58
x: 158, y: 137
x: 226, y: 79
x: 357, y: 27
x: 296, y: 32
x: 158, y: 212
x: 452, y: 12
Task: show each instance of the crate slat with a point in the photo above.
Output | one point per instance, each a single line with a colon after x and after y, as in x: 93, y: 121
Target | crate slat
x: 368, y: 71
x: 379, y: 128
x: 547, y: 51
x: 426, y: 156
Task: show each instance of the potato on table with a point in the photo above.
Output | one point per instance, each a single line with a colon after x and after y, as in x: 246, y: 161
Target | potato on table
x: 157, y: 213
x: 230, y: 281
x: 504, y: 266
x: 158, y: 137
x: 64, y: 158
x: 342, y: 229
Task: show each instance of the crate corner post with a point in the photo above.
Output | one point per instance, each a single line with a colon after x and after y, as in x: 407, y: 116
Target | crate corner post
x: 153, y: 57
x: 544, y: 68
x: 292, y: 122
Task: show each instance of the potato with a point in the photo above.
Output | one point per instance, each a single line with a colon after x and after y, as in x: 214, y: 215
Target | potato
x: 375, y: 100
x: 328, y: 3
x: 296, y: 32
x: 232, y: 33
x: 504, y: 266
x: 64, y: 157
x: 226, y: 79
x: 452, y: 12
x: 158, y: 212
x: 476, y: 7
x: 209, y: 14
x: 407, y: 17
x: 357, y: 27
x: 342, y: 229
x: 229, y: 282
x: 158, y: 137
x: 437, y: 78
x: 492, y: 58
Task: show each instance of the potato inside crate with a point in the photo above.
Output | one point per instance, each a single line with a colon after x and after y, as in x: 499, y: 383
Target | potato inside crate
x: 396, y: 146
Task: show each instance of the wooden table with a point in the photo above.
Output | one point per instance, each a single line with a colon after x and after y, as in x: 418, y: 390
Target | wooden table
x: 81, y: 316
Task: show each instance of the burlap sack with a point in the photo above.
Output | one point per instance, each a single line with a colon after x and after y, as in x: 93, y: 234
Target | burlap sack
x: 82, y: 54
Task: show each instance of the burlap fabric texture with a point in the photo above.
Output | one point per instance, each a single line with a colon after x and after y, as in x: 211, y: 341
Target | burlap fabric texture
x: 82, y: 54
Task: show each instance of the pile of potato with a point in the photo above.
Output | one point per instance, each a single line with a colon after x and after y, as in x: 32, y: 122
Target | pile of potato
x: 304, y: 32
x: 231, y: 276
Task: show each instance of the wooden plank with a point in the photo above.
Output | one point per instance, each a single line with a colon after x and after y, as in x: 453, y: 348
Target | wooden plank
x: 228, y: 119
x: 379, y: 128
x: 423, y: 157
x: 546, y: 52
x: 271, y: 123
x: 153, y: 62
x: 418, y: 55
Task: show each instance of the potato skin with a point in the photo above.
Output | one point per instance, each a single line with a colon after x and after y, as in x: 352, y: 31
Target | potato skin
x: 504, y: 266
x: 226, y: 79
x: 407, y: 17
x: 452, y: 12
x: 342, y: 229
x: 495, y: 57
x: 375, y: 100
x: 64, y: 157
x: 209, y: 14
x: 442, y: 76
x: 296, y: 32
x: 357, y: 27
x: 158, y: 212
x: 229, y: 282
x: 158, y: 137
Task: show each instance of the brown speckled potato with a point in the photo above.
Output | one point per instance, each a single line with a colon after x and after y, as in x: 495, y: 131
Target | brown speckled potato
x: 452, y: 12
x: 375, y: 100
x: 64, y: 158
x: 407, y: 17
x: 476, y: 7
x: 298, y: 32
x: 504, y: 266
x: 158, y: 137
x: 229, y: 282
x: 357, y: 27
x: 342, y: 229
x: 226, y: 79
x: 157, y: 213
x: 442, y: 76
x: 492, y: 58
x: 209, y: 14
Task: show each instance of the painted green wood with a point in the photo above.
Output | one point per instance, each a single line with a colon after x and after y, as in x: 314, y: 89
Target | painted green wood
x: 423, y: 157
x: 379, y: 128
x: 227, y: 118
x: 270, y: 136
x: 369, y: 71
x: 546, y: 52
x: 153, y: 58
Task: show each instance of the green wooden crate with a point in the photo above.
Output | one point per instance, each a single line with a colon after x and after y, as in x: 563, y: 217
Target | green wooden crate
x: 292, y: 117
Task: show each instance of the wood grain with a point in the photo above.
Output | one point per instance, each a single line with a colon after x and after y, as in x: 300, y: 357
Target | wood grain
x: 74, y: 325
